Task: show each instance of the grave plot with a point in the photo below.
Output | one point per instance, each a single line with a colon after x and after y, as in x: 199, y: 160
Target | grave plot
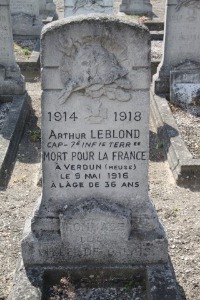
x: 178, y: 80
x: 12, y: 91
x: 27, y: 54
x: 94, y: 208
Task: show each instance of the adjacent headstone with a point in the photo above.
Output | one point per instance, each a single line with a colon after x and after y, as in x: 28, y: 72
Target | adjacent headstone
x: 47, y: 5
x: 136, y: 7
x: 181, y: 40
x: 11, y: 80
x: 78, y: 7
x: 95, y: 207
x: 25, y: 18
x: 185, y: 84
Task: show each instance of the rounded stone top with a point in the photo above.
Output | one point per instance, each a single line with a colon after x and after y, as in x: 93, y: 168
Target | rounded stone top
x: 93, y: 18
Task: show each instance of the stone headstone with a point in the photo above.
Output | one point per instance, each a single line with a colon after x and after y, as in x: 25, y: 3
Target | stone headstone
x: 25, y: 17
x: 47, y: 5
x: 136, y: 7
x: 47, y: 10
x: 185, y: 84
x: 95, y: 207
x: 78, y: 7
x: 11, y: 80
x: 181, y: 40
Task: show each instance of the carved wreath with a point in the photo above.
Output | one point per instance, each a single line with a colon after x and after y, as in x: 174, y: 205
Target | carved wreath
x: 186, y: 3
x: 90, y: 68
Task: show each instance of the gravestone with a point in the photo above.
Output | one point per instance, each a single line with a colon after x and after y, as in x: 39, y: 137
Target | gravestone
x: 47, y: 5
x: 136, y: 7
x: 181, y: 40
x: 94, y: 207
x: 78, y: 7
x: 47, y: 10
x: 11, y: 80
x: 185, y: 84
x: 25, y: 18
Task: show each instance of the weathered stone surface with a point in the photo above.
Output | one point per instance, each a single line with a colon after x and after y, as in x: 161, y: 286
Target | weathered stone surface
x: 136, y: 7
x: 95, y: 207
x: 11, y: 80
x: 25, y: 17
x: 185, y: 84
x: 181, y: 40
x: 78, y: 7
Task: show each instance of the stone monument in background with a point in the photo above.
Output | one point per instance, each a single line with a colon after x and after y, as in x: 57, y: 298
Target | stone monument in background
x: 47, y: 8
x: 11, y: 80
x: 181, y: 42
x: 78, y: 7
x: 136, y: 7
x: 95, y: 207
x: 26, y: 20
x: 46, y: 5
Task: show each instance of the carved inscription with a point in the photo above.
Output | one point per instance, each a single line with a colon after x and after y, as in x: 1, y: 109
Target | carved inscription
x: 95, y: 157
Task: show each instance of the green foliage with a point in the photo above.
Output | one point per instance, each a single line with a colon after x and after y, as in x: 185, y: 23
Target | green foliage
x: 26, y: 51
x: 36, y: 136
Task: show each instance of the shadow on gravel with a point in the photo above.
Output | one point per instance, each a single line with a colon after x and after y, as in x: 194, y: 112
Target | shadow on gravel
x: 30, y: 147
x: 156, y: 151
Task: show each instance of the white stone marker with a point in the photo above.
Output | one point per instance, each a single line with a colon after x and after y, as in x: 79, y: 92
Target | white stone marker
x: 136, y: 7
x: 181, y: 40
x: 11, y: 80
x: 95, y: 207
x: 25, y: 17
x: 78, y: 7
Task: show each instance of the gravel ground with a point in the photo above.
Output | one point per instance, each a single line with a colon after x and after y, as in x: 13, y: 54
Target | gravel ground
x: 188, y: 121
x: 177, y: 207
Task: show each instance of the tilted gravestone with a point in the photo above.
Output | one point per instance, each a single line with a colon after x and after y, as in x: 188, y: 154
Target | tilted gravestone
x: 11, y: 80
x: 136, y: 7
x: 95, y: 207
x: 181, y: 40
x: 25, y: 17
x: 78, y: 7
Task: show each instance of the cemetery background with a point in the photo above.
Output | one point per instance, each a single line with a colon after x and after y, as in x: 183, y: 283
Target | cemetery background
x: 178, y: 207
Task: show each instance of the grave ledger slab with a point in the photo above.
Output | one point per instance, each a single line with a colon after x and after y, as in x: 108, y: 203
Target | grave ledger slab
x: 11, y: 80
x: 181, y: 40
x: 94, y: 207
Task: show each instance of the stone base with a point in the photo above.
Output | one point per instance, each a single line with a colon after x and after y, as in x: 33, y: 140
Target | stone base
x: 26, y: 25
x: 11, y: 81
x: 159, y: 280
x: 96, y: 232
